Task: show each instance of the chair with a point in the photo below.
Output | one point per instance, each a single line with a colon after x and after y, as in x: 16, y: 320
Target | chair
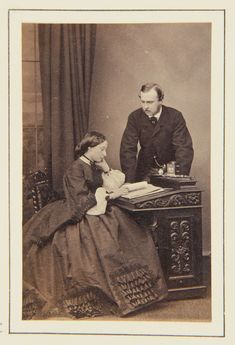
x: 40, y: 189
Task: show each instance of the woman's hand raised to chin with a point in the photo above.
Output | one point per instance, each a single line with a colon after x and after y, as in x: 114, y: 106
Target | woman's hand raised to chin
x: 103, y: 165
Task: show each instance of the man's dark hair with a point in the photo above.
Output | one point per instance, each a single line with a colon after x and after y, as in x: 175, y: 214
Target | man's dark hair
x: 149, y: 86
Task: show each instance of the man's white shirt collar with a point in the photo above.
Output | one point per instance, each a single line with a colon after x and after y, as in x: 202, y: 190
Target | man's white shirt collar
x: 157, y: 115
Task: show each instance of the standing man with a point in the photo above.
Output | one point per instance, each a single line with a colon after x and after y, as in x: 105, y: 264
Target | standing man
x: 162, y: 134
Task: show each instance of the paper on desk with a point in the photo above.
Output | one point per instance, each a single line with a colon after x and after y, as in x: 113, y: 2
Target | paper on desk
x: 136, y: 185
x: 141, y: 189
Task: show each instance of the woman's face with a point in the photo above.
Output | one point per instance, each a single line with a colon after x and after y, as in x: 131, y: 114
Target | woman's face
x: 98, y: 152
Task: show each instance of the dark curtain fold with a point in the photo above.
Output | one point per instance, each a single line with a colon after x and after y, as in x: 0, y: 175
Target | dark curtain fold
x: 66, y: 61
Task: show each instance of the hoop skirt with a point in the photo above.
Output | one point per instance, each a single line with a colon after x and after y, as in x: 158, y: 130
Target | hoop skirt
x: 99, y: 265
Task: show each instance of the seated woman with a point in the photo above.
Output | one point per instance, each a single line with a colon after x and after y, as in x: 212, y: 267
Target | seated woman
x: 83, y: 258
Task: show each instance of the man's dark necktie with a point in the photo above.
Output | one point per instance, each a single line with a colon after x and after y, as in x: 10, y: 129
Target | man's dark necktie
x: 153, y: 120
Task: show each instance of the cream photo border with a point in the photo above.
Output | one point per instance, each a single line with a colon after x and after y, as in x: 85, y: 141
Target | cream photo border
x: 215, y: 328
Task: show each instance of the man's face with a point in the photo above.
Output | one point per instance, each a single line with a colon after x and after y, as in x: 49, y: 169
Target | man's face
x: 149, y: 102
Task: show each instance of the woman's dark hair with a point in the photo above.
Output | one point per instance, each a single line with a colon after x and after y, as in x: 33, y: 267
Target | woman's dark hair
x: 149, y: 86
x: 91, y: 139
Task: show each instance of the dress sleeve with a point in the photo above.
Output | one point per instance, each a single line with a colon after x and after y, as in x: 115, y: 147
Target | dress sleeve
x: 112, y: 180
x: 79, y: 198
x: 101, y: 200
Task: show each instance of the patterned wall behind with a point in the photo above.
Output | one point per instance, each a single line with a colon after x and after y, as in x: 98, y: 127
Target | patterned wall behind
x: 32, y: 110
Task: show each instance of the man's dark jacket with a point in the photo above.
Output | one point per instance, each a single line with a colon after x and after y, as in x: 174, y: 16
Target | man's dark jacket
x: 169, y: 140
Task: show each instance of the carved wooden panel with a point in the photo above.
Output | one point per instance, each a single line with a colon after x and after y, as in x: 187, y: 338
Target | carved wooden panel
x: 180, y: 233
x: 176, y: 200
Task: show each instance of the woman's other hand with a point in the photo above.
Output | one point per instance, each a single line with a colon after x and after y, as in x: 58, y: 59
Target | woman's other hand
x: 118, y: 192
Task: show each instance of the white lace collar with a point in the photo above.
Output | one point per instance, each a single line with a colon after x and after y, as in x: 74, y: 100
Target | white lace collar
x: 85, y: 160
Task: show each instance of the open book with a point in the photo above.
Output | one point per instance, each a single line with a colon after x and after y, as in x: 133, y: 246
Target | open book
x: 138, y: 189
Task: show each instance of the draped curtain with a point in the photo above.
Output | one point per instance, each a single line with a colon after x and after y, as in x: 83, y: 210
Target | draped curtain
x: 66, y: 61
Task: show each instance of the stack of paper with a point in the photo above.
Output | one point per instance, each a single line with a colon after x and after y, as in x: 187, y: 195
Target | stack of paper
x: 138, y: 189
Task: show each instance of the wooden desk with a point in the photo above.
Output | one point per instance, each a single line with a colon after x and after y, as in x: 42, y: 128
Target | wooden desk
x: 174, y: 219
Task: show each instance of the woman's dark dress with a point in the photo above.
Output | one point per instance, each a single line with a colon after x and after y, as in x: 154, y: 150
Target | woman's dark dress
x: 82, y: 265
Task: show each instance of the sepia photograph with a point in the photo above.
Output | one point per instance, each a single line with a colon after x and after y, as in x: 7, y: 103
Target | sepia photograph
x: 116, y: 171
x: 91, y: 94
